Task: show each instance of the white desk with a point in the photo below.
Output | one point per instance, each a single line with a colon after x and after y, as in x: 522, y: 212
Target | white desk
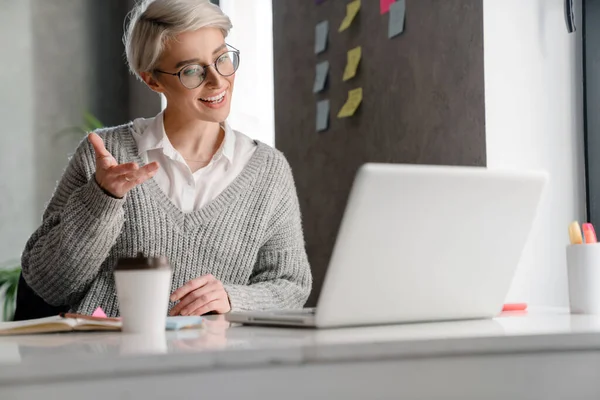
x: 550, y: 355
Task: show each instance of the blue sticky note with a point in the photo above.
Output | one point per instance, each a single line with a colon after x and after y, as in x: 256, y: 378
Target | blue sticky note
x: 322, y: 115
x: 397, y: 16
x: 321, y: 76
x: 181, y: 322
x: 321, y: 35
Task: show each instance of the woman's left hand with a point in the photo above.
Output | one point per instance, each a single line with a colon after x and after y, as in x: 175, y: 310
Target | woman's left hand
x: 201, y: 296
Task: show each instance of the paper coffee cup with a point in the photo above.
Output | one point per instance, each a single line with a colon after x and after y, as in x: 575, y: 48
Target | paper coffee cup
x: 143, y: 289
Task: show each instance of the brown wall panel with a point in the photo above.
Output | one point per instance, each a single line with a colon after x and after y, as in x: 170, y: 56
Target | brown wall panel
x: 423, y: 100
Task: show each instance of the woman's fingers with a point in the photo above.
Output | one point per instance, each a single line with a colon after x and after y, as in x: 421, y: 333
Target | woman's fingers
x: 191, y: 285
x: 148, y: 170
x: 214, y: 305
x: 98, y: 145
x: 202, y: 295
x: 197, y: 299
x: 141, y: 175
x: 104, y: 159
x: 122, y: 169
x: 118, y: 179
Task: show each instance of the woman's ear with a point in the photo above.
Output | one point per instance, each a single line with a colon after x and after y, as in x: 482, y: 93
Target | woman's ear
x: 152, y: 82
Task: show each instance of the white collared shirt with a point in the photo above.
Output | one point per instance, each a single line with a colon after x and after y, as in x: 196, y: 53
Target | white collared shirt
x: 191, y: 191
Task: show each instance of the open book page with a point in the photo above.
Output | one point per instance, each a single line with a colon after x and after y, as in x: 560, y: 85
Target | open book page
x: 105, y: 324
x: 60, y: 323
x: 48, y: 324
x: 77, y: 322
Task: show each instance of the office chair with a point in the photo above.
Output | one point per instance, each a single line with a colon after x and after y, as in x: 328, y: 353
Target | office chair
x: 30, y: 305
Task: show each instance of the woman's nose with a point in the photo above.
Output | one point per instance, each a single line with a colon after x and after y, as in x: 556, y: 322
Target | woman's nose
x: 213, y: 78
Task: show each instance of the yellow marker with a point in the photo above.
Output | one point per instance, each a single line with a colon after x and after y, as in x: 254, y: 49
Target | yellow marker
x: 352, y: 64
x: 575, y: 233
x: 354, y: 99
x: 351, y: 11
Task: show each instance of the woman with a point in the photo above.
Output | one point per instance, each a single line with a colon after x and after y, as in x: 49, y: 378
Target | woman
x: 221, y: 207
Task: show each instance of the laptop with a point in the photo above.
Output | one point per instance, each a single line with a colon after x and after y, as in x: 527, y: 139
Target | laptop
x: 421, y: 243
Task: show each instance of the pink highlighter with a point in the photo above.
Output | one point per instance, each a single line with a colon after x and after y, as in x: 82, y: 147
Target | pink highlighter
x: 515, y: 307
x: 589, y: 233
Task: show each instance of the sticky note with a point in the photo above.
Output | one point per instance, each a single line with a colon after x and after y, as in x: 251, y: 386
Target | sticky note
x: 354, y: 99
x: 99, y: 312
x: 321, y: 76
x: 384, y: 6
x: 352, y: 63
x: 322, y: 115
x: 397, y: 14
x: 321, y: 33
x: 351, y: 11
x: 182, y: 322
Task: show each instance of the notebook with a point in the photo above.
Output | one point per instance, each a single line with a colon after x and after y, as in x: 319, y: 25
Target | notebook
x: 77, y: 322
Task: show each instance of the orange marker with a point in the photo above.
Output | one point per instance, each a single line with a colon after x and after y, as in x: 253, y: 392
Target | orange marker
x: 589, y: 233
x: 575, y: 233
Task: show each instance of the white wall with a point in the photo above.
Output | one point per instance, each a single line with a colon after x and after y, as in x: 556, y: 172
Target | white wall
x: 534, y: 119
x: 17, y: 152
x: 252, y: 110
x: 46, y: 86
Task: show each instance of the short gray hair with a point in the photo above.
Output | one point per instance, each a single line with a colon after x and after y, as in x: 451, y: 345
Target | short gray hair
x: 153, y: 22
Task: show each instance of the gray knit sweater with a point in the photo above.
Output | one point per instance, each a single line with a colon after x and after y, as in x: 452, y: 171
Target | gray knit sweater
x: 249, y: 237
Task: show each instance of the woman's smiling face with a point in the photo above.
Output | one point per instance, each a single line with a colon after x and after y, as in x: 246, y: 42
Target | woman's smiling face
x: 189, y: 52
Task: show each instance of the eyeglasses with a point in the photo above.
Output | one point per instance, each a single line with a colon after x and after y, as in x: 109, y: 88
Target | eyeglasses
x: 191, y: 76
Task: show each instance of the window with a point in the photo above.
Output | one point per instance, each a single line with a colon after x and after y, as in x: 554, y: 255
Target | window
x: 252, y: 110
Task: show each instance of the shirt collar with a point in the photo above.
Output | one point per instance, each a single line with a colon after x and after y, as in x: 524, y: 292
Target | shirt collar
x: 153, y: 136
x: 228, y: 146
x: 151, y: 133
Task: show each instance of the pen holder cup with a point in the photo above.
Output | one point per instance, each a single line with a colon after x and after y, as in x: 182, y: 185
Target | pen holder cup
x: 583, y: 273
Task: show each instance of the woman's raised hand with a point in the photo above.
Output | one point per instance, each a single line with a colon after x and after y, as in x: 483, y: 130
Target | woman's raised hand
x: 118, y: 179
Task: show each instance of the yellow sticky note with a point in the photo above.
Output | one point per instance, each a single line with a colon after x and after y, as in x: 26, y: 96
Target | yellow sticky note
x: 354, y: 99
x: 352, y: 64
x: 351, y: 11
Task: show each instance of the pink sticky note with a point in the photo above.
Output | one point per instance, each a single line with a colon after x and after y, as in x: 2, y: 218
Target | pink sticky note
x: 384, y: 5
x: 99, y: 312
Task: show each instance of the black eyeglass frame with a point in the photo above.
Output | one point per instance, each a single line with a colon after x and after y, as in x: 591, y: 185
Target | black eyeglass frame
x: 178, y: 73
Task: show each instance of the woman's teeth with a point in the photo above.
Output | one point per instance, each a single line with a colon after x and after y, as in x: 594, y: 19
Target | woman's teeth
x: 215, y: 99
